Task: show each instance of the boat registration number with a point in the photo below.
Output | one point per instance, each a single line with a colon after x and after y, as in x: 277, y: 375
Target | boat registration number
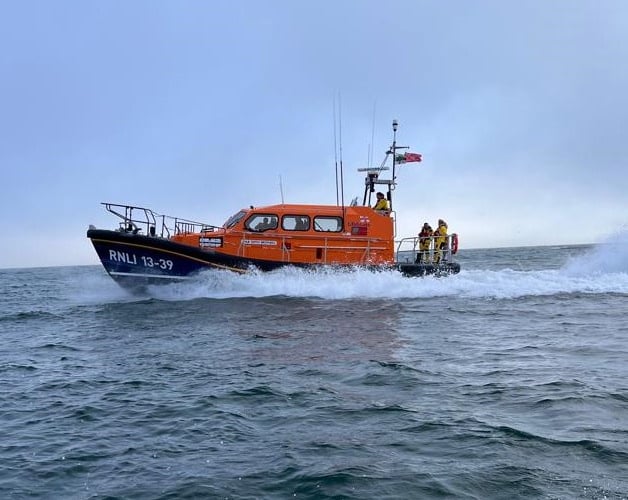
x: 141, y: 260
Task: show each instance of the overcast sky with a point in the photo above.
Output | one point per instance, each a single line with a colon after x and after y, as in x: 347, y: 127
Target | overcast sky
x: 195, y: 108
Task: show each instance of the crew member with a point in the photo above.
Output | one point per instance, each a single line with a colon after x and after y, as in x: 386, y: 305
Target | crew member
x: 264, y: 225
x: 440, y: 241
x: 382, y: 203
x: 425, y: 241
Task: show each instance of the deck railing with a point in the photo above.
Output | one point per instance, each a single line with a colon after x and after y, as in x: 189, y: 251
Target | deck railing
x: 144, y: 220
x: 409, y: 250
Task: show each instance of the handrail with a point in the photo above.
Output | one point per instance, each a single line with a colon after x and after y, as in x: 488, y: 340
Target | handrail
x: 152, y: 223
x: 409, y: 250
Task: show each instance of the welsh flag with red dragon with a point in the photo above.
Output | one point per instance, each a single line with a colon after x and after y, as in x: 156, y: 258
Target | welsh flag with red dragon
x: 408, y: 158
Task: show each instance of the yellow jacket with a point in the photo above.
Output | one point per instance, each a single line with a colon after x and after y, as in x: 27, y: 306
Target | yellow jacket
x: 381, y: 204
x: 441, y: 235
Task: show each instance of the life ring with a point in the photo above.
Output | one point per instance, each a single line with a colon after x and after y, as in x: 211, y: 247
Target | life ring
x: 454, y: 244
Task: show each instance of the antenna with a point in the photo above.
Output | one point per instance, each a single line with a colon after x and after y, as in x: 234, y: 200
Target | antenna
x: 281, y: 189
x: 342, y: 190
x: 370, y: 155
x: 335, y: 151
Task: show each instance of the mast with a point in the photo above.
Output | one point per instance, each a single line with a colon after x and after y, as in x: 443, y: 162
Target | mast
x: 393, y: 151
x: 395, y: 124
x: 373, y: 173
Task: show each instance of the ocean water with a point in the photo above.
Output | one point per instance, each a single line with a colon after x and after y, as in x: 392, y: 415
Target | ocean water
x: 509, y: 380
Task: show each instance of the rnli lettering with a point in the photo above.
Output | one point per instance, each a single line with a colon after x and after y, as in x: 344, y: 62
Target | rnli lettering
x: 142, y: 260
x: 118, y: 256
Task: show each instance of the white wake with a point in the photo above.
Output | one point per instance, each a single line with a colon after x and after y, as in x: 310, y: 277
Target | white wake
x: 602, y: 269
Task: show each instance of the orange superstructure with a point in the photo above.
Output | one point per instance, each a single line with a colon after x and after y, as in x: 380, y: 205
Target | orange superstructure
x: 302, y: 234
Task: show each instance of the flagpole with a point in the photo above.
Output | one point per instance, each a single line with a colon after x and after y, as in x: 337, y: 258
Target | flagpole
x: 395, y: 124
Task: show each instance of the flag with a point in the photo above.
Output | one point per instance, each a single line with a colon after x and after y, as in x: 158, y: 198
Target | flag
x: 408, y: 158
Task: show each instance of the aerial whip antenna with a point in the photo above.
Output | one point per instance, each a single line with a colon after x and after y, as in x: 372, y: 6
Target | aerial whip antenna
x: 342, y: 190
x: 336, y: 151
x: 369, y: 161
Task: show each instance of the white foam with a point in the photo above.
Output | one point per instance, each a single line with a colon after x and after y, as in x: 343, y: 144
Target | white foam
x: 610, y: 256
x: 390, y: 285
x: 603, y: 269
x: 89, y: 287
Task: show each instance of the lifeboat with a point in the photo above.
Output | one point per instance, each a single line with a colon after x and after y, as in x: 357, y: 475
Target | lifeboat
x: 148, y: 247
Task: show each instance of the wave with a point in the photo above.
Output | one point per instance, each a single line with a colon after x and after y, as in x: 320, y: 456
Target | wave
x: 602, y: 269
x: 362, y: 284
x: 28, y: 315
x: 610, y: 256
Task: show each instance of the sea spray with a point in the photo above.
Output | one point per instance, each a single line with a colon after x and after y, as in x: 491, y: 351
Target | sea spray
x: 363, y: 284
x: 609, y: 256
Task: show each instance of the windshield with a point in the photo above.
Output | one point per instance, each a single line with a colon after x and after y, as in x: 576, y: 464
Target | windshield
x: 234, y: 219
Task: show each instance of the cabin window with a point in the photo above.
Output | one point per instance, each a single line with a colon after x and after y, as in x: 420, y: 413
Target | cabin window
x: 262, y: 222
x: 328, y: 224
x: 295, y: 222
x: 234, y: 219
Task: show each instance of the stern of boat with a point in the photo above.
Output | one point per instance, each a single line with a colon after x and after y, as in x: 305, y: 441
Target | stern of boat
x: 411, y: 261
